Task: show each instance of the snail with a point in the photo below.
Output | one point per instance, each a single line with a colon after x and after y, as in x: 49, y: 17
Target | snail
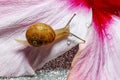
x: 40, y: 34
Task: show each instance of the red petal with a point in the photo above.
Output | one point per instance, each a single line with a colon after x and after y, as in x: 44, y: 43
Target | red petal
x: 115, y: 3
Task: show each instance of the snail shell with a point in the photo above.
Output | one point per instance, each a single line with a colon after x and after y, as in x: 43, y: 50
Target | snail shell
x: 40, y: 34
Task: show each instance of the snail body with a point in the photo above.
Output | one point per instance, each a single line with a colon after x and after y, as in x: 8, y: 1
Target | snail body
x: 40, y: 34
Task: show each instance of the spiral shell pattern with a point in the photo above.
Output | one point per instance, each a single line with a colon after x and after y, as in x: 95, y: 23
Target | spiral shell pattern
x: 40, y: 34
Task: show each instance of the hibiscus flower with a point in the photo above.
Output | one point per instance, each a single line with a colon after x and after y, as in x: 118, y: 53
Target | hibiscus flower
x: 96, y: 21
x: 16, y: 16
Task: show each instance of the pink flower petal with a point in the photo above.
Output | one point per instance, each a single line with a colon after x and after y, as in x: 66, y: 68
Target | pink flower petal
x: 99, y: 60
x: 16, y: 17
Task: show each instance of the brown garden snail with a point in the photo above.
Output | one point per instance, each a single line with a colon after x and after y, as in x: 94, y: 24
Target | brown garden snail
x: 40, y: 34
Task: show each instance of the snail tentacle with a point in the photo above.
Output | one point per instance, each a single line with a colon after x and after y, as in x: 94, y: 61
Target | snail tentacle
x: 78, y: 37
x: 67, y: 25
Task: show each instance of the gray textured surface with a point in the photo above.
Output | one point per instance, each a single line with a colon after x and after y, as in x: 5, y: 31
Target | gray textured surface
x: 56, y: 69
